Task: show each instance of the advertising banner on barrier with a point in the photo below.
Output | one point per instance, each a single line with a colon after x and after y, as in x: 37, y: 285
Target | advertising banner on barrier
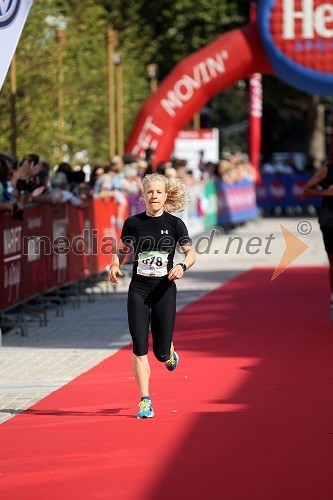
x: 210, y: 196
x: 236, y: 202
x: 80, y: 233
x: 11, y: 261
x: 104, y: 223
x: 53, y: 247
x: 136, y: 205
x: 61, y: 244
x: 59, y: 231
x: 37, y: 251
x: 278, y: 190
x: 193, y: 215
x: 13, y: 15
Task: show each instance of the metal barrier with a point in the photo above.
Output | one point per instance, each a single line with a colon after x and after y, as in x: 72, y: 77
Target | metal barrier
x: 53, y: 255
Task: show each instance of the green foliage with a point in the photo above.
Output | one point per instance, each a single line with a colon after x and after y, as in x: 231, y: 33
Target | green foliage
x: 284, y: 118
x: 162, y: 32
x: 179, y: 28
x: 36, y: 74
x: 86, y: 79
x: 138, y: 47
x: 85, y: 88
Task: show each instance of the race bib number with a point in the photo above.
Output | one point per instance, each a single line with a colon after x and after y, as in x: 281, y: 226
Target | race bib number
x: 153, y: 264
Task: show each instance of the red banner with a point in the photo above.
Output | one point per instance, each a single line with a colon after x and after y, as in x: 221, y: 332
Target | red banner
x: 255, y: 110
x: 192, y: 83
x: 255, y: 118
x: 104, y: 222
x: 79, y: 243
x: 37, y: 250
x: 54, y: 246
x: 11, y: 262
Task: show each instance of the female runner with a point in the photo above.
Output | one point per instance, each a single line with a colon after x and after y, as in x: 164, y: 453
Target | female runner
x: 152, y: 236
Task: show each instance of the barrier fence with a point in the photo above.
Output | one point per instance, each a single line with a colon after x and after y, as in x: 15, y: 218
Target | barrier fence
x: 54, y: 246
x: 277, y: 190
x: 59, y: 245
x: 236, y: 202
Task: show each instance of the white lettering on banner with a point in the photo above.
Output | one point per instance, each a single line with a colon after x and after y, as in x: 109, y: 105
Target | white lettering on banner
x: 35, y: 222
x: 59, y: 228
x: 34, y: 248
x: 12, y: 240
x: 201, y: 74
x: 59, y: 259
x: 86, y: 236
x: 185, y: 87
x: 298, y: 190
x: 146, y: 139
x: 277, y: 192
x: 315, y: 21
x: 241, y: 199
x: 256, y: 95
x: 12, y: 279
x: 188, y: 90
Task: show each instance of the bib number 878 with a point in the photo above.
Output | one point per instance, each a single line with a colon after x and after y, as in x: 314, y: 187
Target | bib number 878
x: 157, y: 260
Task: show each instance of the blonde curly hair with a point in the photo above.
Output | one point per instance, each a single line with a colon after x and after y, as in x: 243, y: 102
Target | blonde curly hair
x: 177, y: 192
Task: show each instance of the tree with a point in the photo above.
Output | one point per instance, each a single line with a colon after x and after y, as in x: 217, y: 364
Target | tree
x: 162, y: 32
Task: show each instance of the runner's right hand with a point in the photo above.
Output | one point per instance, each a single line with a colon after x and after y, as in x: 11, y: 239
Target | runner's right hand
x: 113, y: 272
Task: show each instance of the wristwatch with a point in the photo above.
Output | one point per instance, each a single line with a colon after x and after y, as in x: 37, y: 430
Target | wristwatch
x: 183, y: 266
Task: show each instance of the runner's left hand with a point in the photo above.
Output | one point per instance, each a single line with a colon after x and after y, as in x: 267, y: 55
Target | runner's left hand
x: 175, y: 273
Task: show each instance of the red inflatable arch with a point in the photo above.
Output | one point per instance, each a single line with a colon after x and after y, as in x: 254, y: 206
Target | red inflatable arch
x: 193, y: 82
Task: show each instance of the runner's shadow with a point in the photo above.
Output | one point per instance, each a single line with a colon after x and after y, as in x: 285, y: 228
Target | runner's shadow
x: 107, y: 412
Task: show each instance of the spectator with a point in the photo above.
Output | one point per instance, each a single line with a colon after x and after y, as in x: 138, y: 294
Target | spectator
x: 7, y: 200
x: 202, y: 164
x: 43, y: 193
x: 104, y: 183
x: 60, y: 186
x: 110, y: 185
x: 268, y: 168
x: 150, y: 159
x: 95, y: 174
x: 23, y: 178
x: 132, y: 182
x: 171, y: 173
x: 117, y: 168
x: 67, y: 170
x: 161, y: 167
x: 78, y: 179
x: 142, y: 166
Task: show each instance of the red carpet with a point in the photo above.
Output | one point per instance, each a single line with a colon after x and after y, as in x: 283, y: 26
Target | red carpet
x: 247, y: 415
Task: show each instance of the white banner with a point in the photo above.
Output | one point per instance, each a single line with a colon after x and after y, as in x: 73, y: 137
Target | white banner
x: 13, y: 14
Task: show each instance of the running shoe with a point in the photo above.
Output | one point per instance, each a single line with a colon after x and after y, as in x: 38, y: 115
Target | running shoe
x: 145, y: 409
x: 172, y: 362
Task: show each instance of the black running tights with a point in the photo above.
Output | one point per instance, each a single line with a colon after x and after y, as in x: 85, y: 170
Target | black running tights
x: 152, y: 301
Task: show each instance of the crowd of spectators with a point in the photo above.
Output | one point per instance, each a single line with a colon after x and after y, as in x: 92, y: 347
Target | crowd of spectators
x: 30, y: 181
x: 33, y: 181
x: 231, y: 168
x: 235, y: 168
x: 287, y: 166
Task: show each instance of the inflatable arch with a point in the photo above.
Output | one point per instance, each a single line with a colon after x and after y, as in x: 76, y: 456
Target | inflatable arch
x: 292, y: 39
x: 192, y: 83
